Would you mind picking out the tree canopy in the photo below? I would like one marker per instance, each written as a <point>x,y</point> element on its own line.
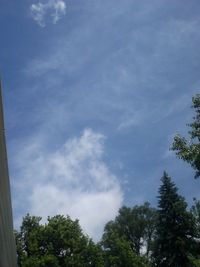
<point>60,242</point>
<point>136,225</point>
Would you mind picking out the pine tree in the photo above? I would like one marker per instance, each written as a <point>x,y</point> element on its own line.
<point>174,227</point>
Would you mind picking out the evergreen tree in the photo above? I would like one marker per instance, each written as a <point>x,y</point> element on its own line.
<point>195,211</point>
<point>175,227</point>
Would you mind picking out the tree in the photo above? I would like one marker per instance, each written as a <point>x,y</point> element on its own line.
<point>189,150</point>
<point>27,240</point>
<point>65,239</point>
<point>150,218</point>
<point>125,237</point>
<point>58,243</point>
<point>94,255</point>
<point>30,247</point>
<point>195,211</point>
<point>136,225</point>
<point>175,227</point>
<point>118,251</point>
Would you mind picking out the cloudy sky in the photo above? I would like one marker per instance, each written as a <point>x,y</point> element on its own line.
<point>94,91</point>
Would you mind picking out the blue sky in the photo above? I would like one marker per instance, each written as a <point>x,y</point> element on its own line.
<point>94,92</point>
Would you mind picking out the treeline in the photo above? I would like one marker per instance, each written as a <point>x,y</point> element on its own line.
<point>166,236</point>
<point>139,236</point>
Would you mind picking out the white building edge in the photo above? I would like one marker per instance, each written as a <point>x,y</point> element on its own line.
<point>8,257</point>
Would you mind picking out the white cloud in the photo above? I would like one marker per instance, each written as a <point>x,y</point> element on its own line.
<point>53,8</point>
<point>73,180</point>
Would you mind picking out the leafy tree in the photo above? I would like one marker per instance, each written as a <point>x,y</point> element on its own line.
<point>59,243</point>
<point>94,255</point>
<point>44,261</point>
<point>189,150</point>
<point>150,227</point>
<point>65,240</point>
<point>175,227</point>
<point>118,251</point>
<point>28,238</point>
<point>136,225</point>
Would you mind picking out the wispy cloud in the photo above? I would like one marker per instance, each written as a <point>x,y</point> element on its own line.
<point>54,9</point>
<point>73,180</point>
<point>125,77</point>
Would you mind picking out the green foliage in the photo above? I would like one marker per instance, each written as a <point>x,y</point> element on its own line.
<point>60,242</point>
<point>195,211</point>
<point>94,255</point>
<point>118,251</point>
<point>28,239</point>
<point>189,150</point>
<point>45,261</point>
<point>136,225</point>
<point>195,262</point>
<point>124,237</point>
<point>175,227</point>
<point>65,240</point>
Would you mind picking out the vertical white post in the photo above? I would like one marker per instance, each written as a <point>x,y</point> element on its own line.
<point>7,242</point>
